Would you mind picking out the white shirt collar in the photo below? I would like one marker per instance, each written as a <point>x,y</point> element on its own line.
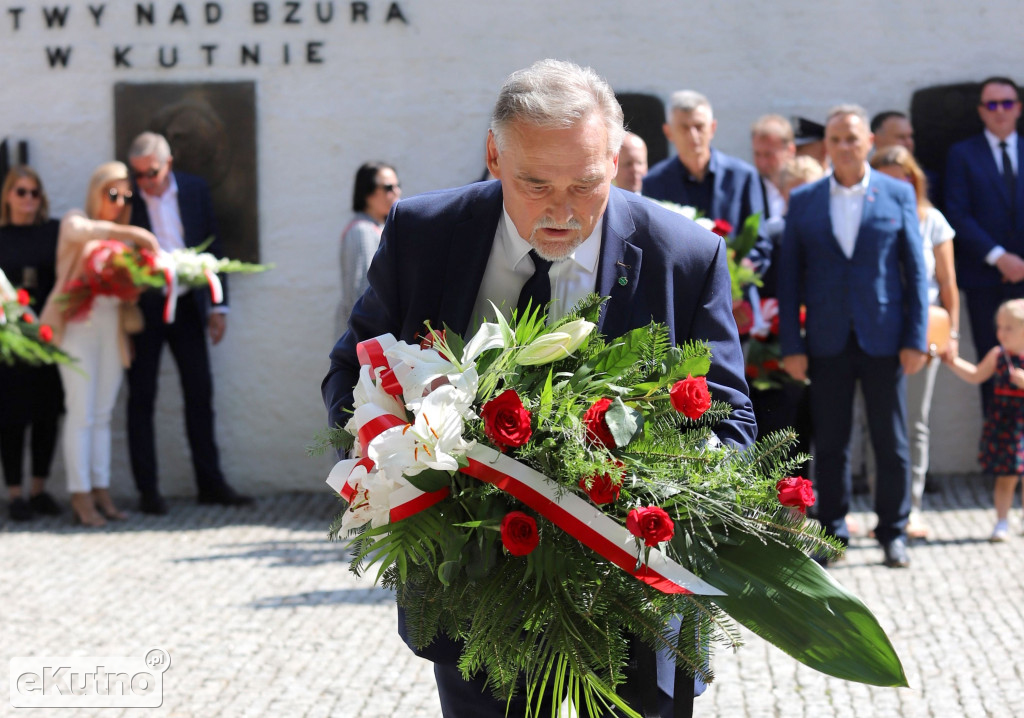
<point>859,188</point>
<point>516,248</point>
<point>993,141</point>
<point>170,192</point>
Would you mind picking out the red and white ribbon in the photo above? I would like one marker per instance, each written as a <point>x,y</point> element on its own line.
<point>216,288</point>
<point>171,299</point>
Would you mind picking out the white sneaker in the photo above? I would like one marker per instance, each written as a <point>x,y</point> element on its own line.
<point>1001,532</point>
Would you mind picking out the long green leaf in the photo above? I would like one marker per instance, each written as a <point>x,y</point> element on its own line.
<point>789,600</point>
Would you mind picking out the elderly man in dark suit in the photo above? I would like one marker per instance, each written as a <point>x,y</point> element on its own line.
<point>985,205</point>
<point>852,254</point>
<point>177,208</point>
<point>552,227</point>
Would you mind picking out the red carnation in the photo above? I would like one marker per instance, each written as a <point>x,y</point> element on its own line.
<point>690,396</point>
<point>23,297</point>
<point>650,523</point>
<point>45,333</point>
<point>797,492</point>
<point>722,228</point>
<point>519,533</point>
<point>28,318</point>
<point>603,489</point>
<point>506,420</point>
<point>597,428</point>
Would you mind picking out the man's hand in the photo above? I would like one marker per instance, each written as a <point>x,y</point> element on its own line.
<point>912,361</point>
<point>1012,267</point>
<point>218,324</point>
<point>796,366</point>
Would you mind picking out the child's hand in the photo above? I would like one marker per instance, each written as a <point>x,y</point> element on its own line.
<point>1017,377</point>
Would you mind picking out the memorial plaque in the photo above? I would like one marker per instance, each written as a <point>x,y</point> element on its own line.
<point>644,115</point>
<point>211,127</point>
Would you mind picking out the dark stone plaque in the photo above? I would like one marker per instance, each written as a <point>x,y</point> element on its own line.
<point>645,115</point>
<point>211,127</point>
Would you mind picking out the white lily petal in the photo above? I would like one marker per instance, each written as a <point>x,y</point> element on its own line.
<point>488,336</point>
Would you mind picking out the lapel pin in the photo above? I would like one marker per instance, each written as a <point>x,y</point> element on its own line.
<point>623,281</point>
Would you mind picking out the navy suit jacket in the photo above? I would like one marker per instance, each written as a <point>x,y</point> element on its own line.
<point>196,208</point>
<point>881,293</point>
<point>979,207</point>
<point>435,248</point>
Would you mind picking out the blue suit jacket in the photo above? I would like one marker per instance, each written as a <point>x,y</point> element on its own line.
<point>880,293</point>
<point>435,248</point>
<point>196,208</point>
<point>979,208</point>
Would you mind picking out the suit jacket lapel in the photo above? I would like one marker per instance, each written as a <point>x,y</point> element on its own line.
<point>618,267</point>
<point>869,210</point>
<point>988,161</point>
<point>467,260</point>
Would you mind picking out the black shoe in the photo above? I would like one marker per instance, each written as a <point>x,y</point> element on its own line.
<point>896,555</point>
<point>43,503</point>
<point>153,504</point>
<point>20,510</point>
<point>225,496</point>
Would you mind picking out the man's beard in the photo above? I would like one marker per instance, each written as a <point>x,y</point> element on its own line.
<point>556,250</point>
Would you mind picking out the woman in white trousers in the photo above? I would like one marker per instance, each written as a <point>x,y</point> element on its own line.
<point>99,341</point>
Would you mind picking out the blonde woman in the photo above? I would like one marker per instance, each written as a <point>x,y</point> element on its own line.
<point>99,341</point>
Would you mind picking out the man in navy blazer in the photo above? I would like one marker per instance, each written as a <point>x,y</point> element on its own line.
<point>177,208</point>
<point>985,205</point>
<point>553,145</point>
<point>852,255</point>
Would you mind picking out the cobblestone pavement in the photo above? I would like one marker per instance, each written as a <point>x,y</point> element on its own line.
<point>261,617</point>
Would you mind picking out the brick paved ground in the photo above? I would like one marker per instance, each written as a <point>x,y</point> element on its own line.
<point>261,618</point>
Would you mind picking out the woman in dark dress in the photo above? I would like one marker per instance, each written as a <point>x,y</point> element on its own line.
<point>31,398</point>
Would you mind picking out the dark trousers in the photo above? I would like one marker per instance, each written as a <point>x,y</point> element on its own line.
<point>186,337</point>
<point>12,448</point>
<point>833,381</point>
<point>982,303</point>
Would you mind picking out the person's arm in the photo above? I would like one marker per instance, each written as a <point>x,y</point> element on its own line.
<point>76,228</point>
<point>358,245</point>
<point>945,276</point>
<point>914,342</point>
<point>975,374</point>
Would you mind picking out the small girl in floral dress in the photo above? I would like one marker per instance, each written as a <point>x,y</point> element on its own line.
<point>1002,438</point>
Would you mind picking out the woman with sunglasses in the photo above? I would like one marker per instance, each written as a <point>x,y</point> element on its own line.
<point>897,161</point>
<point>376,189</point>
<point>99,341</point>
<point>31,397</point>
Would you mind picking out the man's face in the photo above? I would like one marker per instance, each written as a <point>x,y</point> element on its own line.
<point>691,134</point>
<point>555,182</point>
<point>895,131</point>
<point>849,141</point>
<point>152,176</point>
<point>770,154</point>
<point>1001,120</point>
<point>632,164</point>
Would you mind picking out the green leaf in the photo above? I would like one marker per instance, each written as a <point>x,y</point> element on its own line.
<point>621,355</point>
<point>624,422</point>
<point>785,597</point>
<point>430,480</point>
<point>546,398</point>
<point>746,238</point>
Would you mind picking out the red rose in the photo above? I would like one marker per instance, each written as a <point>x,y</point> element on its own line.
<point>46,333</point>
<point>23,297</point>
<point>28,318</point>
<point>506,420</point>
<point>690,396</point>
<point>603,489</point>
<point>743,313</point>
<point>797,492</point>
<point>597,428</point>
<point>750,370</point>
<point>651,523</point>
<point>722,228</point>
<point>519,533</point>
<point>771,365</point>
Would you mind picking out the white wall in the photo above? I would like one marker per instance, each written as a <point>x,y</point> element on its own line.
<point>418,95</point>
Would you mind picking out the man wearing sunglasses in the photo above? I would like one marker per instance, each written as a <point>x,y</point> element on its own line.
<point>177,208</point>
<point>985,205</point>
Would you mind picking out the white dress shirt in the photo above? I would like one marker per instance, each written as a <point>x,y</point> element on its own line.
<point>846,207</point>
<point>510,266</point>
<point>997,152</point>
<point>774,200</point>
<point>165,217</point>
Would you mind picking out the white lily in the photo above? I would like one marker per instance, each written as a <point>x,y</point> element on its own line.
<point>556,344</point>
<point>488,336</point>
<point>416,369</point>
<point>371,500</point>
<point>432,441</point>
<point>368,391</point>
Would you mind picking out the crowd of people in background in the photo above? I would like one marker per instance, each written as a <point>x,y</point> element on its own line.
<point>145,205</point>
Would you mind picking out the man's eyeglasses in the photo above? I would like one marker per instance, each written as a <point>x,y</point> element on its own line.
<point>113,195</point>
<point>390,187</point>
<point>148,174</point>
<point>22,191</point>
<point>993,105</point>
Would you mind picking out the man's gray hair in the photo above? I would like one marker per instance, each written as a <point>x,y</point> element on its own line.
<point>848,109</point>
<point>150,143</point>
<point>554,94</point>
<point>686,101</point>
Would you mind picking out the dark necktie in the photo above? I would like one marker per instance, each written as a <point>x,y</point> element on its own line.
<point>1008,177</point>
<point>537,287</point>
